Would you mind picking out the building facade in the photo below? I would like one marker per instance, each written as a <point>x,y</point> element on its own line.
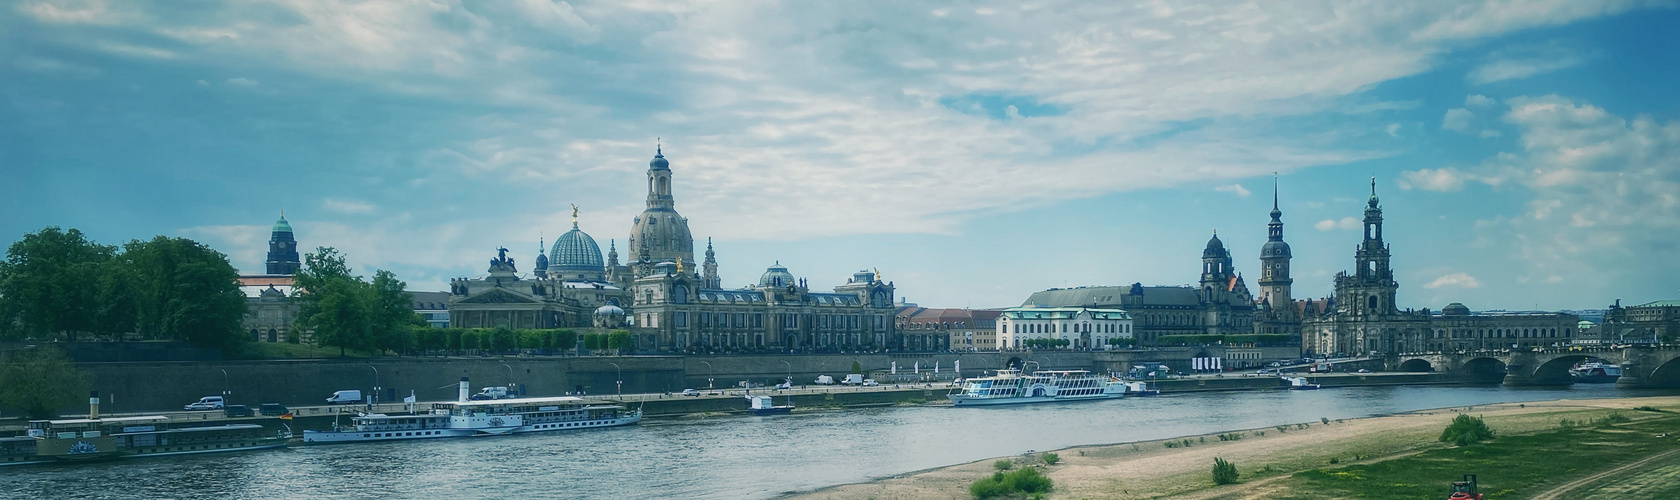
<point>1081,327</point>
<point>269,310</point>
<point>1651,322</point>
<point>1276,313</point>
<point>669,303</point>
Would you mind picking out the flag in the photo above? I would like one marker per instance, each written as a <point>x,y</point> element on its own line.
<point>286,416</point>
<point>410,398</point>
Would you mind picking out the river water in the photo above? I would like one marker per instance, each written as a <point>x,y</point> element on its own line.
<point>728,457</point>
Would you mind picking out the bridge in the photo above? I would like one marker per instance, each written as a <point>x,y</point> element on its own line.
<point>1643,366</point>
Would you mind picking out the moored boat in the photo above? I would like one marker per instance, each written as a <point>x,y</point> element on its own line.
<point>1596,373</point>
<point>762,405</point>
<point>1140,389</point>
<point>1044,386</point>
<point>1300,384</point>
<point>96,438</point>
<point>465,418</point>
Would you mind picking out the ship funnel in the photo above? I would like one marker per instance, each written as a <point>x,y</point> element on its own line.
<point>464,390</point>
<point>93,404</point>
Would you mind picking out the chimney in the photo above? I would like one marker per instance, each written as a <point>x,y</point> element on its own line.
<point>93,404</point>
<point>464,390</point>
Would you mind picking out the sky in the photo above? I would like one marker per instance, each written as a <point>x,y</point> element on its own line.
<point>1527,153</point>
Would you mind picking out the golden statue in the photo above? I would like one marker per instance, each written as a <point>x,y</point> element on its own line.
<point>877,274</point>
<point>574,214</point>
<point>679,265</point>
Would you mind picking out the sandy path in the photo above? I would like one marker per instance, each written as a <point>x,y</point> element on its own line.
<point>1151,470</point>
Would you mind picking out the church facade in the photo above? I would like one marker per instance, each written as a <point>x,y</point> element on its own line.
<point>667,302</point>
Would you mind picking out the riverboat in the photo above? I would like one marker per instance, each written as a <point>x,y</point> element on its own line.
<point>479,418</point>
<point>1044,386</point>
<point>1596,373</point>
<point>1300,384</point>
<point>89,439</point>
<point>762,405</point>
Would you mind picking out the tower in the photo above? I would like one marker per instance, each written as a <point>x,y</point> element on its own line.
<point>1369,291</point>
<point>1217,274</point>
<point>282,248</point>
<point>660,234</point>
<point>710,279</point>
<point>1275,282</point>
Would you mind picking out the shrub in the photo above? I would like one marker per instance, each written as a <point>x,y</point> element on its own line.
<point>1567,423</point>
<point>1335,460</point>
<point>1611,419</point>
<point>1052,458</point>
<point>1023,482</point>
<point>1003,465</point>
<point>1466,429</point>
<point>1326,420</point>
<point>1647,408</point>
<point>1224,472</point>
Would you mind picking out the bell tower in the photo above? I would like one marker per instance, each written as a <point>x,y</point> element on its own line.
<point>1275,282</point>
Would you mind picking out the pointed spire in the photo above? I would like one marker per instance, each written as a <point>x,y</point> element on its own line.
<point>1274,191</point>
<point>658,147</point>
<point>541,243</point>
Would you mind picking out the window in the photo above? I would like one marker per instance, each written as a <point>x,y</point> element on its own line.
<point>682,320</point>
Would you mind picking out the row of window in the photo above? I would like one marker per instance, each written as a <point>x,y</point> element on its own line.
<point>1077,328</point>
<point>1503,333</point>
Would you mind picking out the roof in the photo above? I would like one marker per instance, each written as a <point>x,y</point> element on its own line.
<point>265,280</point>
<point>1661,303</point>
<point>1063,313</point>
<point>1113,296</point>
<point>430,300</point>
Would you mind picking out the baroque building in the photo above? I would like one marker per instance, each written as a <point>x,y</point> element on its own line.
<point>1363,317</point>
<point>1081,327</point>
<point>269,310</point>
<point>669,303</point>
<point>1276,313</point>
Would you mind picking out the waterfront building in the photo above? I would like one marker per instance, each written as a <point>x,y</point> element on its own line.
<point>433,307</point>
<point>667,302</point>
<point>1363,317</point>
<point>1081,327</point>
<point>1651,322</point>
<point>939,329</point>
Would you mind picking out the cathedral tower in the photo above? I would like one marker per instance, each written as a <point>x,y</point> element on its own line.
<point>1370,290</point>
<point>1275,282</point>
<point>710,278</point>
<point>1217,274</point>
<point>660,234</point>
<point>282,248</point>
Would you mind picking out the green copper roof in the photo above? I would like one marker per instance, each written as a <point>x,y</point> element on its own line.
<point>281,226</point>
<point>1661,303</point>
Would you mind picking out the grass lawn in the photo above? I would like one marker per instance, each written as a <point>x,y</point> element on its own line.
<point>1511,466</point>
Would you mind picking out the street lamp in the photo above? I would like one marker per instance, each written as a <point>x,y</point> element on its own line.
<point>790,374</point>
<point>225,392</point>
<point>708,374</point>
<point>620,381</point>
<point>375,383</point>
<point>510,375</point>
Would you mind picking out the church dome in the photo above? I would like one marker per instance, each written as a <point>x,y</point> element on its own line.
<point>1274,248</point>
<point>576,251</point>
<point>281,226</point>
<point>776,276</point>
<point>1215,248</point>
<point>659,162</point>
<point>542,263</point>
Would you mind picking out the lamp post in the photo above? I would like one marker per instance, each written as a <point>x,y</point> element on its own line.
<point>510,375</point>
<point>375,383</point>
<point>708,374</point>
<point>225,392</point>
<point>790,374</point>
<point>620,381</point>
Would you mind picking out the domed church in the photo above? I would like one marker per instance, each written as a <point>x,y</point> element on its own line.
<point>667,302</point>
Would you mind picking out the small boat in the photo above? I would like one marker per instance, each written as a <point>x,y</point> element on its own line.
<point>1300,384</point>
<point>1010,386</point>
<point>1596,373</point>
<point>761,405</point>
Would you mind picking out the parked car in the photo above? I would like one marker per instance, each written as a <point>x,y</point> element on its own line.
<point>690,392</point>
<point>1362,370</point>
<point>273,409</point>
<point>351,396</point>
<point>784,385</point>
<point>232,411</point>
<point>870,382</point>
<point>206,403</point>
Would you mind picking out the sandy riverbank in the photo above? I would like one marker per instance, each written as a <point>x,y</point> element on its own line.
<point>1150,469</point>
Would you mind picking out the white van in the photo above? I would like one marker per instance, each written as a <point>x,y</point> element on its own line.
<point>345,397</point>
<point>206,403</point>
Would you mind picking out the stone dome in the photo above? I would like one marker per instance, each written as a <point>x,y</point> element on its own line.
<point>281,226</point>
<point>1215,248</point>
<point>1455,309</point>
<point>542,263</point>
<point>576,251</point>
<point>1275,248</point>
<point>776,276</point>
<point>659,162</point>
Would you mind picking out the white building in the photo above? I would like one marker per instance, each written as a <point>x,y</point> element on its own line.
<point>1081,327</point>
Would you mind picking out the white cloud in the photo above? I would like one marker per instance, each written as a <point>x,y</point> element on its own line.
<point>347,206</point>
<point>1457,119</point>
<point>1513,69</point>
<point>1234,188</point>
<point>242,82</point>
<point>1393,130</point>
<point>1445,179</point>
<point>1478,101</point>
<point>1346,223</point>
<point>70,11</point>
<point>1454,280</point>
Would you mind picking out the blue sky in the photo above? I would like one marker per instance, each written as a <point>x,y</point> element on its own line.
<point>1527,152</point>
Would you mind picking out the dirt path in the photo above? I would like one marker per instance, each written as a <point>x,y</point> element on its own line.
<point>1565,488</point>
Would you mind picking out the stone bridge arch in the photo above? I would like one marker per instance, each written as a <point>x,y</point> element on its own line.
<point>1417,365</point>
<point>1650,368</point>
<point>1485,367</point>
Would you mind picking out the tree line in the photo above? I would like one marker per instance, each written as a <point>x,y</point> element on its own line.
<point>494,341</point>
<point>58,285</point>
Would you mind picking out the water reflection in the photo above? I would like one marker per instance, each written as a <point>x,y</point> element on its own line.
<point>732,457</point>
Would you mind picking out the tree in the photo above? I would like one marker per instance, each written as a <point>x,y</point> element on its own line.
<point>332,302</point>
<point>394,319</point>
<point>565,339</point>
<point>185,291</point>
<point>39,381</point>
<point>857,367</point>
<point>1466,429</point>
<point>1223,472</point>
<point>48,284</point>
<point>502,339</point>
<point>469,340</point>
<point>620,340</point>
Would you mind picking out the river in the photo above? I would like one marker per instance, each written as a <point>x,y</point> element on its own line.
<point>728,457</point>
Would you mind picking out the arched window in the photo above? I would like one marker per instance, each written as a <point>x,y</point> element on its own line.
<point>1372,303</point>
<point>679,295</point>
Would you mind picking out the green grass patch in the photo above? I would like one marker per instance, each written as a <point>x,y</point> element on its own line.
<point>1025,482</point>
<point>1508,467</point>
